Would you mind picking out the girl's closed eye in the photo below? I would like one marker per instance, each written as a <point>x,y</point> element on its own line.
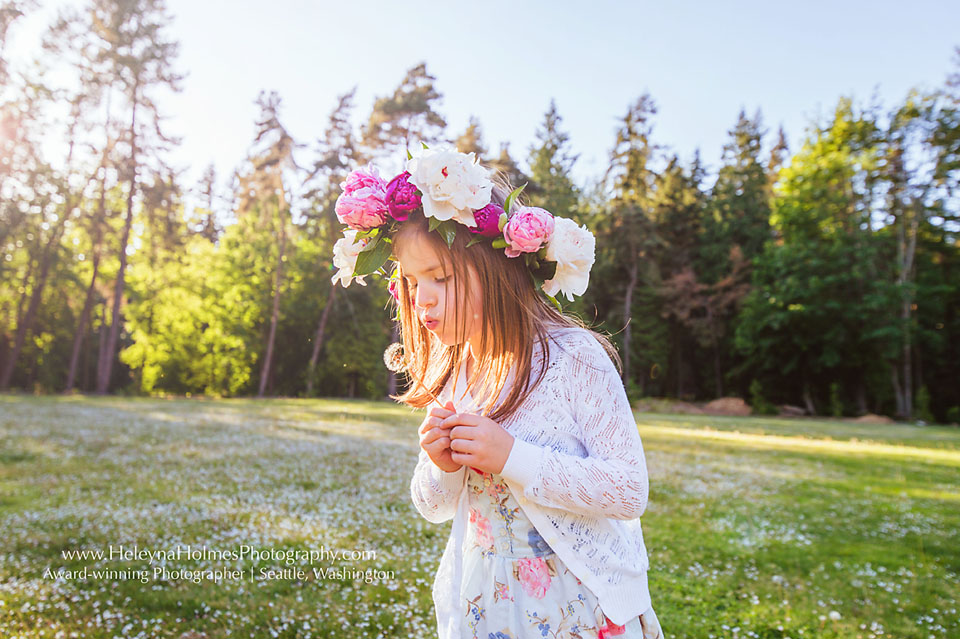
<point>437,280</point>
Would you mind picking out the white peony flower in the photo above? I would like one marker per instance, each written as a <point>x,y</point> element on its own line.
<point>453,184</point>
<point>345,253</point>
<point>572,248</point>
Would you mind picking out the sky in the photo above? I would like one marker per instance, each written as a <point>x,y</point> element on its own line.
<point>502,62</point>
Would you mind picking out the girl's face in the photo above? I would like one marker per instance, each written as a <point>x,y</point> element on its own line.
<point>433,294</point>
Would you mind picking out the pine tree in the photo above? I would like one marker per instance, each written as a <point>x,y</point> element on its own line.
<point>627,231</point>
<point>266,192</point>
<point>337,153</point>
<point>134,48</point>
<point>408,117</point>
<point>551,162</point>
<point>740,201</point>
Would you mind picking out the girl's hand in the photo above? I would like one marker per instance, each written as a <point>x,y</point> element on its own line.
<point>478,441</point>
<point>436,441</point>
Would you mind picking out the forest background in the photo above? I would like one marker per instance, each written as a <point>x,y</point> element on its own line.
<point>825,276</point>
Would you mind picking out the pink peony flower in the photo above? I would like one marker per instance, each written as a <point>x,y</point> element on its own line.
<point>401,197</point>
<point>488,221</point>
<point>527,230</point>
<point>361,206</point>
<point>484,534</point>
<point>534,576</point>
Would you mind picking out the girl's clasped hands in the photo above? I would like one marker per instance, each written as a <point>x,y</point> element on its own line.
<point>454,439</point>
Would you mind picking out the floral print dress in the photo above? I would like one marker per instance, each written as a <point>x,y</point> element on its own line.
<point>514,586</point>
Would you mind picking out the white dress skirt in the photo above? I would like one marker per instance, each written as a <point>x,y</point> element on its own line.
<point>515,587</point>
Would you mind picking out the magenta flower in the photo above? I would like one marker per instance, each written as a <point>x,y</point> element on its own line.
<point>527,230</point>
<point>402,197</point>
<point>392,287</point>
<point>361,206</point>
<point>488,221</point>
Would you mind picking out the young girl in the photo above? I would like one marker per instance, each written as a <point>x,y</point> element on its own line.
<point>529,444</point>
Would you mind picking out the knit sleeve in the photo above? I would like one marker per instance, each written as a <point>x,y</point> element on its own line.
<point>434,491</point>
<point>611,481</point>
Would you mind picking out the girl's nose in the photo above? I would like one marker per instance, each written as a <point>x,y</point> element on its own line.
<point>424,299</point>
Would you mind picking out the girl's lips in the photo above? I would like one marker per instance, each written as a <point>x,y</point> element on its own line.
<point>431,324</point>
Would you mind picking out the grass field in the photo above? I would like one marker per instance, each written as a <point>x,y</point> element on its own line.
<point>755,528</point>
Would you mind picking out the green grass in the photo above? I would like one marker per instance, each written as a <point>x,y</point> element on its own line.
<point>756,527</point>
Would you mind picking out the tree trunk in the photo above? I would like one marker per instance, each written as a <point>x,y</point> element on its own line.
<point>861,394</point>
<point>808,399</point>
<point>88,301</point>
<point>25,326</point>
<point>627,306</point>
<point>318,338</point>
<point>275,313</point>
<point>717,374</point>
<point>105,366</point>
<point>897,391</point>
<point>81,326</point>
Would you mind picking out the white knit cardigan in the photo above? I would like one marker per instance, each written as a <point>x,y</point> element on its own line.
<point>577,469</point>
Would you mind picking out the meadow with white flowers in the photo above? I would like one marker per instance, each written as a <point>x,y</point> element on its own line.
<point>756,528</point>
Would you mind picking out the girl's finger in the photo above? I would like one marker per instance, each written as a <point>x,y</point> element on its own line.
<point>440,444</point>
<point>463,432</point>
<point>464,459</point>
<point>463,445</point>
<point>467,419</point>
<point>432,435</point>
<point>440,412</point>
<point>428,423</point>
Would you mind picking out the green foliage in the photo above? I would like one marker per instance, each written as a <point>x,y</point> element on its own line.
<point>819,308</point>
<point>836,402</point>
<point>758,402</point>
<point>551,162</point>
<point>922,407</point>
<point>953,415</point>
<point>194,323</point>
<point>738,212</point>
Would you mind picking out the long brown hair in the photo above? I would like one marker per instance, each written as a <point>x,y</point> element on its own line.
<point>514,317</point>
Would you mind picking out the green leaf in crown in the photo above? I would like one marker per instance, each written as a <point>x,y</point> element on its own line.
<point>448,230</point>
<point>545,270</point>
<point>372,257</point>
<point>511,198</point>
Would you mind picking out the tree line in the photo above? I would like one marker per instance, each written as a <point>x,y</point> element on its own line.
<point>826,277</point>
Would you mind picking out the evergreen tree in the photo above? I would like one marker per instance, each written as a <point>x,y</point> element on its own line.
<point>627,233</point>
<point>740,205</point>
<point>266,192</point>
<point>816,313</point>
<point>551,162</point>
<point>138,57</point>
<point>337,153</point>
<point>407,117</point>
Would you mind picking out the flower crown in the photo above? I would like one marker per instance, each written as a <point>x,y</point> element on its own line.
<point>453,189</point>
